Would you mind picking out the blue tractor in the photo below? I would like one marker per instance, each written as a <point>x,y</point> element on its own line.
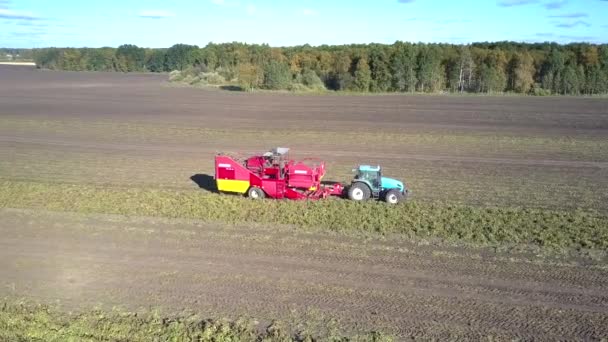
<point>369,183</point>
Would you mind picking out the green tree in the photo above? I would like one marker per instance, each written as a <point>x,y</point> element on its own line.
<point>596,81</point>
<point>155,60</point>
<point>552,70</point>
<point>277,75</point>
<point>580,74</point>
<point>570,81</point>
<point>130,58</point>
<point>363,75</point>
<point>403,67</point>
<point>379,64</point>
<point>481,67</point>
<point>181,56</point>
<point>458,66</point>
<point>453,73</point>
<point>491,79</point>
<point>324,64</point>
<point>492,76</point>
<point>312,80</point>
<point>341,77</point>
<point>209,57</point>
<point>603,57</point>
<point>71,59</point>
<point>429,72</point>
<point>466,69</point>
<point>47,58</point>
<point>101,59</point>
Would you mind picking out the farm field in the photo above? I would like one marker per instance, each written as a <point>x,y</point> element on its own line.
<point>530,172</point>
<point>262,271</point>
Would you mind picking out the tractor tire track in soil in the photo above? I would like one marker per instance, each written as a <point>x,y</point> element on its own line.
<point>57,130</point>
<point>137,130</point>
<point>202,150</point>
<point>409,290</point>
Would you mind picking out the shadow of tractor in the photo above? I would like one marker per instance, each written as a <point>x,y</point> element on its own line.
<point>206,182</point>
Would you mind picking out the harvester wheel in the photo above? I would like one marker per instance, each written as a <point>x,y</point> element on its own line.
<point>393,196</point>
<point>255,193</point>
<point>359,192</point>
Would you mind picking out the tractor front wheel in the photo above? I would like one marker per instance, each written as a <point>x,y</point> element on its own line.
<point>255,193</point>
<point>393,196</point>
<point>359,192</point>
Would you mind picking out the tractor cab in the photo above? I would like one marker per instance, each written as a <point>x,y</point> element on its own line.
<point>370,175</point>
<point>369,183</point>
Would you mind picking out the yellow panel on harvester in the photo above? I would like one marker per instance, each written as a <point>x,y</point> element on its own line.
<point>229,185</point>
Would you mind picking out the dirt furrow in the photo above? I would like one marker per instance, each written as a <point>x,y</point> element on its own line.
<point>253,270</point>
<point>331,153</point>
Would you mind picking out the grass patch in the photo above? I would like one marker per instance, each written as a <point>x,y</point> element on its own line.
<point>550,229</point>
<point>28,322</point>
<point>476,184</point>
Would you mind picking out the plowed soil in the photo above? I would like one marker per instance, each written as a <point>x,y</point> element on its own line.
<point>405,289</point>
<point>139,131</point>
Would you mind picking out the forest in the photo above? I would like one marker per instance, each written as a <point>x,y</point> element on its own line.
<point>16,54</point>
<point>524,68</point>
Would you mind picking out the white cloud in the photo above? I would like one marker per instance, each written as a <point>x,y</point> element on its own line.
<point>251,9</point>
<point>308,11</point>
<point>9,14</point>
<point>574,24</point>
<point>556,4</point>
<point>511,3</point>
<point>218,2</point>
<point>156,14</point>
<point>570,15</point>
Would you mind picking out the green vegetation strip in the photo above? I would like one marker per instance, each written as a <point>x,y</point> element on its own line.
<point>475,225</point>
<point>26,322</point>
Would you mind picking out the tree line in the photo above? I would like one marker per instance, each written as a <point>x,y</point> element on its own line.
<point>7,54</point>
<point>539,68</point>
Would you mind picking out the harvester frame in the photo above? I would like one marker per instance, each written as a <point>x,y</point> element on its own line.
<point>274,175</point>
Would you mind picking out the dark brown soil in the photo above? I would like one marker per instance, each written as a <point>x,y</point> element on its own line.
<point>25,91</point>
<point>267,272</point>
<point>137,130</point>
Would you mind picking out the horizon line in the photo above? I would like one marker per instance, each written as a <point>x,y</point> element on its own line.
<point>321,45</point>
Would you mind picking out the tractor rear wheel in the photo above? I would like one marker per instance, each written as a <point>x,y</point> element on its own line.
<point>359,192</point>
<point>255,193</point>
<point>393,196</point>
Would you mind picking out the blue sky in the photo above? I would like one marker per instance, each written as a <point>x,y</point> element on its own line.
<point>155,23</point>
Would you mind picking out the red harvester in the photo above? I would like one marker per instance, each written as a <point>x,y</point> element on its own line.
<point>274,175</point>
